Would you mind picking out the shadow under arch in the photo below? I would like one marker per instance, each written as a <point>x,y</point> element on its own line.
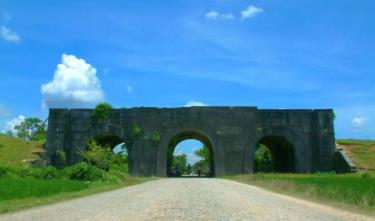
<point>283,153</point>
<point>109,140</point>
<point>185,135</point>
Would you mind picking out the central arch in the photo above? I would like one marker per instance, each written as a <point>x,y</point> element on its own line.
<point>186,135</point>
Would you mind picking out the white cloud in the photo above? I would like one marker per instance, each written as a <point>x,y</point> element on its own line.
<point>74,85</point>
<point>214,15</point>
<point>9,35</point>
<point>129,88</point>
<point>195,103</point>
<point>358,122</point>
<point>250,11</point>
<point>11,124</point>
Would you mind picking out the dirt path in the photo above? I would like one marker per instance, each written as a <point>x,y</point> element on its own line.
<point>186,199</point>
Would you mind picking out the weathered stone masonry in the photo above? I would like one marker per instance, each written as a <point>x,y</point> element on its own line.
<point>231,131</point>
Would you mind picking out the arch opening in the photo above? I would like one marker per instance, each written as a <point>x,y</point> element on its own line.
<point>274,154</point>
<point>200,157</point>
<point>116,153</point>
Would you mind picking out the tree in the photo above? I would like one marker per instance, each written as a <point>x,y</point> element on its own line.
<point>204,153</point>
<point>31,129</point>
<point>263,160</point>
<point>179,162</point>
<point>189,168</point>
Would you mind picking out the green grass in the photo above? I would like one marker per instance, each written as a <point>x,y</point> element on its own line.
<point>349,190</point>
<point>18,188</point>
<point>14,151</point>
<point>355,142</point>
<point>36,197</point>
<point>362,152</point>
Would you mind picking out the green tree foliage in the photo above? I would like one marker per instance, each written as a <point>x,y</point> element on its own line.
<point>263,160</point>
<point>31,129</point>
<point>179,162</point>
<point>205,163</point>
<point>102,111</point>
<point>104,158</point>
<point>189,169</point>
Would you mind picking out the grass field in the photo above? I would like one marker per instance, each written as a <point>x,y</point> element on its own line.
<point>20,188</point>
<point>362,152</point>
<point>350,190</point>
<point>15,151</point>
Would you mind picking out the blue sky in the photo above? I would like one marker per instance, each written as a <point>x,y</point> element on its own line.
<point>270,54</point>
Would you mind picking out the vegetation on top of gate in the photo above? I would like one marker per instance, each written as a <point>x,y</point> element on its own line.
<point>102,110</point>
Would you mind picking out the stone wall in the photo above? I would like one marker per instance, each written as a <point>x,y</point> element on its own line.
<point>233,133</point>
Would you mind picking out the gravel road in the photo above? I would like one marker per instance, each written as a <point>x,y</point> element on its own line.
<point>186,199</point>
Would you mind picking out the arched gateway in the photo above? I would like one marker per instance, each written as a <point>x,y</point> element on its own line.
<point>302,140</point>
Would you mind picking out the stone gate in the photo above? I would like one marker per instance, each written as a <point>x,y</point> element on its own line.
<point>231,133</point>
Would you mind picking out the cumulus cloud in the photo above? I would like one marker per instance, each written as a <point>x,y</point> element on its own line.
<point>250,12</point>
<point>11,124</point>
<point>358,122</point>
<point>9,35</point>
<point>74,85</point>
<point>195,103</point>
<point>214,15</point>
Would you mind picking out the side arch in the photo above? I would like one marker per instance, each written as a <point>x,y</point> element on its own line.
<point>282,154</point>
<point>282,135</point>
<point>116,135</point>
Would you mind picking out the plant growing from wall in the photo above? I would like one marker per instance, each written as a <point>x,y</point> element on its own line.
<point>332,115</point>
<point>102,110</point>
<point>61,157</point>
<point>136,130</point>
<point>155,137</point>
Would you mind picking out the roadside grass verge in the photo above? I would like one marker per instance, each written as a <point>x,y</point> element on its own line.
<point>31,192</point>
<point>356,191</point>
<point>18,188</point>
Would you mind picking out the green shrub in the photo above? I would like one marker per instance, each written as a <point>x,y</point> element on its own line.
<point>23,171</point>
<point>84,171</point>
<point>4,171</point>
<point>97,155</point>
<point>48,172</point>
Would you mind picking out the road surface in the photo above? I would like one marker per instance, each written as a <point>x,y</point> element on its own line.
<point>186,199</point>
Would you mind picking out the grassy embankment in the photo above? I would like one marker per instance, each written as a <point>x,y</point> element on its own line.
<point>16,194</point>
<point>351,191</point>
<point>23,186</point>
